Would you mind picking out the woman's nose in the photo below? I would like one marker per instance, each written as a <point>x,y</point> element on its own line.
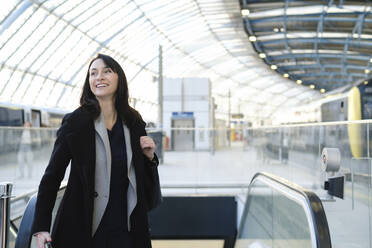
<point>100,75</point>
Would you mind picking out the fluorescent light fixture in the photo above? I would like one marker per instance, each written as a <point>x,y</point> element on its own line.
<point>366,71</point>
<point>262,55</point>
<point>322,90</point>
<point>312,86</point>
<point>365,82</point>
<point>252,38</point>
<point>299,81</point>
<point>285,75</point>
<point>273,67</point>
<point>245,12</point>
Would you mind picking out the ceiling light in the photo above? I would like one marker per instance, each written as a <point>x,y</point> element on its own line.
<point>273,67</point>
<point>245,12</point>
<point>276,30</point>
<point>370,60</point>
<point>322,90</point>
<point>299,81</point>
<point>281,29</point>
<point>252,38</point>
<point>365,82</point>
<point>262,55</point>
<point>312,86</point>
<point>366,71</point>
<point>285,75</point>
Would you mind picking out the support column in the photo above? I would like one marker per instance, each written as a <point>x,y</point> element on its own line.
<point>5,194</point>
<point>160,87</point>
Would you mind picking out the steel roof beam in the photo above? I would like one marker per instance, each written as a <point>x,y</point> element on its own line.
<point>304,19</point>
<point>334,41</point>
<point>325,74</point>
<point>325,80</point>
<point>318,32</point>
<point>316,66</point>
<point>321,55</point>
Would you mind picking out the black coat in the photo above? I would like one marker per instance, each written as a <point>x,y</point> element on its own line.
<point>73,224</point>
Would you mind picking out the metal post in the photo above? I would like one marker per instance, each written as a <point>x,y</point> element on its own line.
<point>5,194</point>
<point>229,120</point>
<point>160,87</point>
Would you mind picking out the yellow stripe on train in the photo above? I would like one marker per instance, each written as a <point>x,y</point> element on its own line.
<point>355,130</point>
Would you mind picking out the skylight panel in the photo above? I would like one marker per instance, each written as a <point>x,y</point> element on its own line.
<point>44,92</point>
<point>22,87</point>
<point>11,85</point>
<point>5,74</point>
<point>32,90</point>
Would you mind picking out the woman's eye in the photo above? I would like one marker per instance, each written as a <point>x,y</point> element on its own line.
<point>92,73</point>
<point>107,71</point>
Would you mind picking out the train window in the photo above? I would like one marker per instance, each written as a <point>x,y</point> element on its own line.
<point>366,106</point>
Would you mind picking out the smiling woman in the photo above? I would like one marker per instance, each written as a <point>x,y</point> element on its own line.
<point>103,80</point>
<point>113,180</point>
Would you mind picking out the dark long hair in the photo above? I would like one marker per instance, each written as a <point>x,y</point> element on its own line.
<point>89,101</point>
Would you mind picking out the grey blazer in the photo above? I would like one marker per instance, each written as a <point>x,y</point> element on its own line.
<point>103,173</point>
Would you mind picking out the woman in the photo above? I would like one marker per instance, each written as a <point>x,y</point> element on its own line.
<point>113,180</point>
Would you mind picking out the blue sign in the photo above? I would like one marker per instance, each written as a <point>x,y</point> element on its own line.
<point>182,114</point>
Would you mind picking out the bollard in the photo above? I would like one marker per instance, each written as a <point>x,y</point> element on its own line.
<point>5,194</point>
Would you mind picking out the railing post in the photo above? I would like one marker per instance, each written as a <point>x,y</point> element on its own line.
<point>5,194</point>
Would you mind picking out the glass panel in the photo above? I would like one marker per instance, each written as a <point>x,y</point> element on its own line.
<point>76,9</point>
<point>28,152</point>
<point>273,219</point>
<point>5,74</point>
<point>6,8</point>
<point>290,223</point>
<point>20,37</point>
<point>16,25</point>
<point>55,94</point>
<point>11,86</point>
<point>18,95</point>
<point>66,98</point>
<point>44,93</point>
<point>257,224</point>
<point>33,90</point>
<point>86,17</point>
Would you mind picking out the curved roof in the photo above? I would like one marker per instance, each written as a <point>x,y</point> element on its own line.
<point>45,47</point>
<point>326,44</point>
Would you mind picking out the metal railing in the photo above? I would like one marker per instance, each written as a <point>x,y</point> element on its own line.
<point>5,194</point>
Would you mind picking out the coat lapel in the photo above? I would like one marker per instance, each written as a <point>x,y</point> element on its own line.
<point>100,127</point>
<point>132,188</point>
<point>102,172</point>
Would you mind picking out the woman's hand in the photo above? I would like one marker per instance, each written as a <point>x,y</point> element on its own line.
<point>147,146</point>
<point>42,238</point>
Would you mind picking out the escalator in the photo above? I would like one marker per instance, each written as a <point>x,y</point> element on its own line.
<point>276,213</point>
<point>279,213</point>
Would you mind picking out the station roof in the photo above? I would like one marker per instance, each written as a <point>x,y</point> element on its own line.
<point>45,47</point>
<point>326,44</point>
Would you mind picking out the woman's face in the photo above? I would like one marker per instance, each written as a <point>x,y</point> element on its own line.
<point>103,80</point>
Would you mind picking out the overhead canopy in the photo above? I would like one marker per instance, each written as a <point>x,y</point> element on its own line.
<point>326,44</point>
<point>45,48</point>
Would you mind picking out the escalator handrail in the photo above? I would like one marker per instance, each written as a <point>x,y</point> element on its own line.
<point>24,234</point>
<point>313,205</point>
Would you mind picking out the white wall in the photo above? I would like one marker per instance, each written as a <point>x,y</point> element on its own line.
<point>189,95</point>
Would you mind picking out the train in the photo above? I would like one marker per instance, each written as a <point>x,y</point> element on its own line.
<point>14,117</point>
<point>296,141</point>
<point>17,115</point>
<point>351,103</point>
